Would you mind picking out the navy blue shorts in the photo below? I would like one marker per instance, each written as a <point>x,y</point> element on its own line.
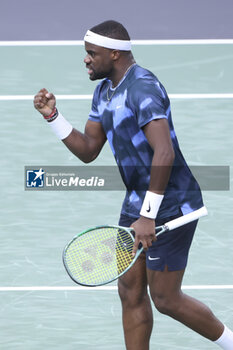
<point>171,248</point>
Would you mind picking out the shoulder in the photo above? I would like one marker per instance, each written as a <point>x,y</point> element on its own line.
<point>142,75</point>
<point>145,84</point>
<point>100,87</point>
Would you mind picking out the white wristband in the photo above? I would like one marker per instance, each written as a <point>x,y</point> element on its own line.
<point>151,204</point>
<point>61,127</point>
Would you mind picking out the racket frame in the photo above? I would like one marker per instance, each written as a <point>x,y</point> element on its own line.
<point>129,230</point>
<point>168,226</point>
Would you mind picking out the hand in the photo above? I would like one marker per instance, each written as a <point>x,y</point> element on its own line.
<point>44,102</point>
<point>144,233</point>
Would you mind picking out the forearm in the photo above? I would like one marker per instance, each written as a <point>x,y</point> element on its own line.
<point>160,173</point>
<point>161,169</point>
<point>81,146</point>
<point>78,143</point>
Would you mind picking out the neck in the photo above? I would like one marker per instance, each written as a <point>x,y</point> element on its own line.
<point>119,73</point>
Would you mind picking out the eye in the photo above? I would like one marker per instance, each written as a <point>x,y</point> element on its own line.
<point>91,53</point>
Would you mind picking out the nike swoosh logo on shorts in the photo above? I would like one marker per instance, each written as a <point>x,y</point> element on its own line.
<point>150,258</point>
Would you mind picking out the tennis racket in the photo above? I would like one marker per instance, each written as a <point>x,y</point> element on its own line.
<point>102,254</point>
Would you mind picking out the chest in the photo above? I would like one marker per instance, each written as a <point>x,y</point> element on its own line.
<point>116,114</point>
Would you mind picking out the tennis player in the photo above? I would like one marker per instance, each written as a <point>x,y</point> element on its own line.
<point>131,110</point>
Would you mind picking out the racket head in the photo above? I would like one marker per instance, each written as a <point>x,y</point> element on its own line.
<point>99,255</point>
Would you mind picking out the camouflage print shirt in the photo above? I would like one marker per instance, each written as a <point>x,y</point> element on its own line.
<point>138,99</point>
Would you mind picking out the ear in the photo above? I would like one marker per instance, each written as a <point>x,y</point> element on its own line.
<point>115,55</point>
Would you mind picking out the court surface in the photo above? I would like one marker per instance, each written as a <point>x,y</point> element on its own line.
<point>40,306</point>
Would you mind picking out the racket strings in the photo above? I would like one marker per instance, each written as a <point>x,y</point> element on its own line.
<point>124,249</point>
<point>99,256</point>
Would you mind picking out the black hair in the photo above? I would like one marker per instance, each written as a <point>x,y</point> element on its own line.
<point>111,29</point>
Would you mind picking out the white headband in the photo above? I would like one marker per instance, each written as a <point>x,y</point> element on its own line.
<point>109,43</point>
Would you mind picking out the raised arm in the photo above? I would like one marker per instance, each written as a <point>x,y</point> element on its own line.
<point>86,146</point>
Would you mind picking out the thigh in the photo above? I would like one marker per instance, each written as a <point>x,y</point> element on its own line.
<point>133,284</point>
<point>165,290</point>
<point>164,283</point>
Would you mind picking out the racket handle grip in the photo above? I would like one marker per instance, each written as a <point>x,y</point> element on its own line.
<point>185,219</point>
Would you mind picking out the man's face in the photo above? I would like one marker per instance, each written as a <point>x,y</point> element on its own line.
<point>98,61</point>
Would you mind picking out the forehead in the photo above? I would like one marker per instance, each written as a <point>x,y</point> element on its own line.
<point>95,48</point>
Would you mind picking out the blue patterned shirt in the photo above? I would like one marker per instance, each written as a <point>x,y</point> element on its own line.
<point>138,99</point>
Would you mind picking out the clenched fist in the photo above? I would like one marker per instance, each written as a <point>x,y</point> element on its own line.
<point>44,102</point>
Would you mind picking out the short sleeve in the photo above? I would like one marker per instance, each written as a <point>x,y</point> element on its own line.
<point>149,101</point>
<point>94,114</point>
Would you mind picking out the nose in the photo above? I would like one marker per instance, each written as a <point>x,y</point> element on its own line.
<point>87,59</point>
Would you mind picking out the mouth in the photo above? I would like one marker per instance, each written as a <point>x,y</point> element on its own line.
<point>90,70</point>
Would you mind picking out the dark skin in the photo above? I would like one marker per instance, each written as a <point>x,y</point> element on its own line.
<point>165,286</point>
